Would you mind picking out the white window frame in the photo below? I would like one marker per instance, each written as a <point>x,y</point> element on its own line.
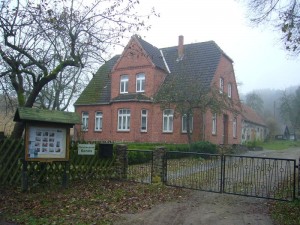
<point>184,123</point>
<point>144,120</point>
<point>124,80</point>
<point>98,121</point>
<point>229,87</point>
<point>124,120</point>
<point>140,82</point>
<point>85,121</point>
<point>234,127</point>
<point>214,124</point>
<point>168,118</point>
<point>221,85</point>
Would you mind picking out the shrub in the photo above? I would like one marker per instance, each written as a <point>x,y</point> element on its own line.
<point>204,147</point>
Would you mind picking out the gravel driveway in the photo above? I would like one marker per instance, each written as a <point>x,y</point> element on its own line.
<point>205,208</point>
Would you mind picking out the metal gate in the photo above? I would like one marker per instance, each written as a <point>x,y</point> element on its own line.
<point>271,178</point>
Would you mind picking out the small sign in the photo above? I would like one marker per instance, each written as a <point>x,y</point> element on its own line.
<point>86,149</point>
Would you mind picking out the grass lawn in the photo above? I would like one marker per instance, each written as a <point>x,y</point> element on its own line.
<point>84,202</point>
<point>279,145</point>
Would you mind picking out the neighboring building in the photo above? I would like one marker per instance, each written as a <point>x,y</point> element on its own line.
<point>253,126</point>
<point>117,104</point>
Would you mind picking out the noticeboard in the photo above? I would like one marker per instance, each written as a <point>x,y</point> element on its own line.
<point>46,143</point>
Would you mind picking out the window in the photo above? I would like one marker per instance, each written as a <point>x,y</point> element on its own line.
<point>85,121</point>
<point>144,114</point>
<point>124,120</point>
<point>98,121</point>
<point>214,124</point>
<point>168,120</point>
<point>184,123</point>
<point>221,85</point>
<point>234,127</point>
<point>140,82</point>
<point>124,84</point>
<point>229,90</point>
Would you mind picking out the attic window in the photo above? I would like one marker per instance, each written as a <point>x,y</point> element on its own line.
<point>124,84</point>
<point>229,91</point>
<point>221,85</point>
<point>140,82</point>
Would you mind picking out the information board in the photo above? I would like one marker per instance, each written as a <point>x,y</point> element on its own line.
<point>46,143</point>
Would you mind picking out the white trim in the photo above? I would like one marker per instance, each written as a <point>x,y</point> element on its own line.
<point>165,61</point>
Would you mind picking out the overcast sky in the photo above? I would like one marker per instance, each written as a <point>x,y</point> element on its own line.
<point>258,55</point>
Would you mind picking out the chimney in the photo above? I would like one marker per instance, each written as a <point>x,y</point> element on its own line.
<point>180,48</point>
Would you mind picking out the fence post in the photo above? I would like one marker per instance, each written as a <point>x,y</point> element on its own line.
<point>24,176</point>
<point>159,165</point>
<point>121,161</point>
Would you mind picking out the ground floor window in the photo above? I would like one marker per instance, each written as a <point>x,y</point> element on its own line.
<point>85,121</point>
<point>168,120</point>
<point>98,121</point>
<point>214,124</point>
<point>185,122</point>
<point>234,127</point>
<point>124,119</point>
<point>144,115</point>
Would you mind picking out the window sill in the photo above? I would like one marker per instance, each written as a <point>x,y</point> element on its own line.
<point>97,131</point>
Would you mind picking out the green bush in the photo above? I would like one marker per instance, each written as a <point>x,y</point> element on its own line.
<point>204,147</point>
<point>137,157</point>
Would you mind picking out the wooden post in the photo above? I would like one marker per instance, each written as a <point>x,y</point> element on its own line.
<point>24,176</point>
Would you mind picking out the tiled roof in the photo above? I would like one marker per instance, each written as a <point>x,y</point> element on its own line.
<point>34,114</point>
<point>251,116</point>
<point>98,89</point>
<point>153,52</point>
<point>199,63</point>
<point>131,97</point>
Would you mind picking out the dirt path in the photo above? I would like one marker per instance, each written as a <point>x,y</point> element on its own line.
<point>205,208</point>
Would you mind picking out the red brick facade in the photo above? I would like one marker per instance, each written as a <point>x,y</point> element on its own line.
<point>133,61</point>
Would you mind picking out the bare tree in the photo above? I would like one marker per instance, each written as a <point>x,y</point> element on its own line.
<point>290,108</point>
<point>283,15</point>
<point>187,95</point>
<point>45,46</point>
<point>254,101</point>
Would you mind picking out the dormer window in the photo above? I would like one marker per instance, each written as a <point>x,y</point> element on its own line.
<point>221,85</point>
<point>140,82</point>
<point>124,84</point>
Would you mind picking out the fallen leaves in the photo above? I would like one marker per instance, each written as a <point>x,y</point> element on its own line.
<point>85,202</point>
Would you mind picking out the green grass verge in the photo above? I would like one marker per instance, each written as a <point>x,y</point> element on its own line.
<point>279,145</point>
<point>286,213</point>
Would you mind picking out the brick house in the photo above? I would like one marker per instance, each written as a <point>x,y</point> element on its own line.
<point>117,104</point>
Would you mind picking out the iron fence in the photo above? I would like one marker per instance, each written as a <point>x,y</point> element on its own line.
<point>140,166</point>
<point>261,177</point>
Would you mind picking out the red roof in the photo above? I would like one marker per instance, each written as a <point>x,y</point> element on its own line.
<point>251,116</point>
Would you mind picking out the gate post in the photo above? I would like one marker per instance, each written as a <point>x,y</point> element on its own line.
<point>121,161</point>
<point>159,163</point>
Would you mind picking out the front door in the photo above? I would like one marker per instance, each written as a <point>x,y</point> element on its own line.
<point>225,129</point>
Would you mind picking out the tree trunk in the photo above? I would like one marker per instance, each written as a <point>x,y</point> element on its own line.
<point>17,132</point>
